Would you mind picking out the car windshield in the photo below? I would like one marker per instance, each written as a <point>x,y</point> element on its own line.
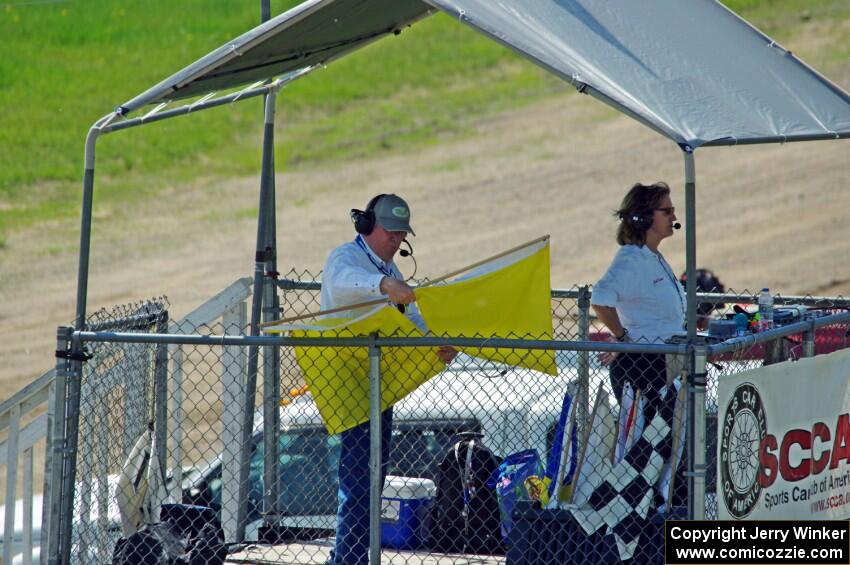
<point>309,459</point>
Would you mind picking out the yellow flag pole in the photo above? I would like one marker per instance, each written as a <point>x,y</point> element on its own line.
<point>429,283</point>
<point>322,312</point>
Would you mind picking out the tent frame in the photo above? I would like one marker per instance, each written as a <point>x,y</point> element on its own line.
<point>266,305</point>
<point>265,301</point>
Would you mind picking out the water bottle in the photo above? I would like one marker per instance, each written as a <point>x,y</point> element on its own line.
<point>766,309</point>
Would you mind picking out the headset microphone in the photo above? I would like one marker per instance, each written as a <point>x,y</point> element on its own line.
<point>677,226</point>
<point>406,252</point>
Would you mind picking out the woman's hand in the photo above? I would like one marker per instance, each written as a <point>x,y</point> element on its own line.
<point>608,316</point>
<point>606,357</point>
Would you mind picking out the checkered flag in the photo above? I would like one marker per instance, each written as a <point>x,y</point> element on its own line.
<point>622,501</point>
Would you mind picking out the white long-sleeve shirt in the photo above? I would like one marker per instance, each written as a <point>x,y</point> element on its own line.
<point>353,273</point>
<point>648,297</point>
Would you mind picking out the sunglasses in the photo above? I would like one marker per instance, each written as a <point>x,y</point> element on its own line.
<point>667,211</point>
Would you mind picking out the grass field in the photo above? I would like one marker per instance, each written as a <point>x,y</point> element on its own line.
<point>66,63</point>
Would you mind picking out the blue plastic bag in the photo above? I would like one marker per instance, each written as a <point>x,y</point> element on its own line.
<point>509,482</point>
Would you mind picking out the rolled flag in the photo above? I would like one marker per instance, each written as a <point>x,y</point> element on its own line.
<point>561,463</point>
<point>595,463</point>
<point>133,486</point>
<point>141,485</point>
<point>624,421</point>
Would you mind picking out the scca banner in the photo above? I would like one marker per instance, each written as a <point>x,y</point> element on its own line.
<point>783,448</point>
<point>503,297</point>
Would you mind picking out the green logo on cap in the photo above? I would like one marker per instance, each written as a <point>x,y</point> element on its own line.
<point>400,212</point>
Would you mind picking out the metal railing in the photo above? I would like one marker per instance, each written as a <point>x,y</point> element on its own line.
<point>190,341</point>
<point>27,419</point>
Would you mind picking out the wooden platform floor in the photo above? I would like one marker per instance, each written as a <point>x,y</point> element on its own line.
<point>317,552</point>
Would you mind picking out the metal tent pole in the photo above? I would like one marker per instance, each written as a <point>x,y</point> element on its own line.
<point>65,493</point>
<point>690,243</point>
<point>85,229</point>
<point>264,258</point>
<point>696,356</point>
<point>271,311</point>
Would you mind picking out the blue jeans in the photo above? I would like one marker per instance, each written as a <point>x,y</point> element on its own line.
<point>352,529</point>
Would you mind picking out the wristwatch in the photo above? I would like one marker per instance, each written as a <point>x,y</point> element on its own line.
<point>623,337</point>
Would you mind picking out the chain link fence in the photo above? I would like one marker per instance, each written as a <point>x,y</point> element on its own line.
<point>473,451</point>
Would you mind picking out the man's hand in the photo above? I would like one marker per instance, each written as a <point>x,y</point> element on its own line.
<point>397,291</point>
<point>446,353</point>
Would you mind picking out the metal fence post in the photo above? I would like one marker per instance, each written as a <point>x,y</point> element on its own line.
<point>809,342</point>
<point>697,426</point>
<point>176,400</point>
<point>52,519</point>
<point>583,357</point>
<point>160,398</point>
<point>233,376</point>
<point>376,485</point>
<point>69,474</point>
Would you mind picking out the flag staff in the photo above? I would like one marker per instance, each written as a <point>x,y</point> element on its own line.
<point>384,300</point>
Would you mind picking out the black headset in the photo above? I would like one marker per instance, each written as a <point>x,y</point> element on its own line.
<point>640,220</point>
<point>364,220</point>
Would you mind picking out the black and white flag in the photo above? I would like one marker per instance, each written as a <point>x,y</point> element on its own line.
<point>622,501</point>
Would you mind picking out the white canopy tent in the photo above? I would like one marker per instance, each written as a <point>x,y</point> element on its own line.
<point>692,71</point>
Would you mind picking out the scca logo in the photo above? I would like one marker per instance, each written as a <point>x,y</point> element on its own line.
<point>744,429</point>
<point>817,452</point>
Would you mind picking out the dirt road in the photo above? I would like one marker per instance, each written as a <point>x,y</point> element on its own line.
<point>767,216</point>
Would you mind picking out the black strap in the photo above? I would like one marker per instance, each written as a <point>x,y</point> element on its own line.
<point>467,488</point>
<point>82,355</point>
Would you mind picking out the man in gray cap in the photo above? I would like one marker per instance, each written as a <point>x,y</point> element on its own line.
<point>355,272</point>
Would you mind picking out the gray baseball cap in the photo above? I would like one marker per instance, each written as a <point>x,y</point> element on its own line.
<point>393,213</point>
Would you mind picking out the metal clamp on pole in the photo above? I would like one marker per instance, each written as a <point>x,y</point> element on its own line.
<point>697,428</point>
<point>376,482</point>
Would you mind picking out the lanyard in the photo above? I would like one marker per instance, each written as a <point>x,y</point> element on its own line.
<point>677,286</point>
<point>378,264</point>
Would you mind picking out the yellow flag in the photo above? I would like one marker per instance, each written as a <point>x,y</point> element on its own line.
<point>339,376</point>
<point>508,297</point>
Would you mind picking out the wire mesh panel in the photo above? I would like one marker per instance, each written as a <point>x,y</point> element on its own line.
<point>117,406</point>
<point>482,454</point>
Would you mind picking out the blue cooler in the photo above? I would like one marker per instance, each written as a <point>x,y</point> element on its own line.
<point>405,503</point>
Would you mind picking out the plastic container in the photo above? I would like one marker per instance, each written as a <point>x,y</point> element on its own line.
<point>553,537</point>
<point>765,310</point>
<point>723,329</point>
<point>742,323</point>
<point>405,504</point>
<point>788,315</point>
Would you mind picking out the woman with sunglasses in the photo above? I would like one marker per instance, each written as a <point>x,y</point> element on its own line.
<point>639,299</point>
